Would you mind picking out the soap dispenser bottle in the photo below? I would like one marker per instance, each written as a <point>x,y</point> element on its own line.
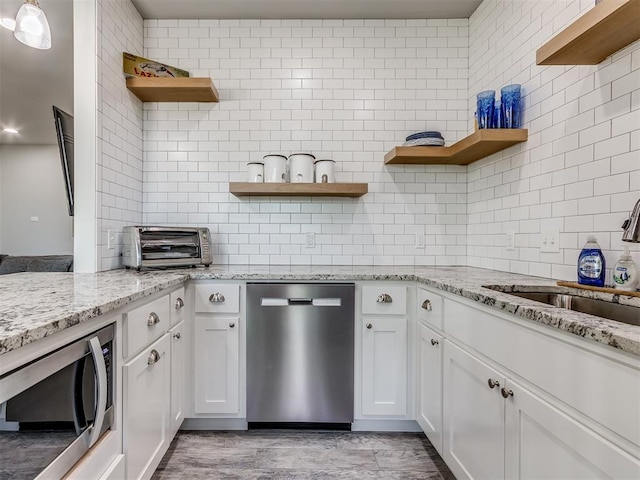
<point>625,274</point>
<point>591,264</point>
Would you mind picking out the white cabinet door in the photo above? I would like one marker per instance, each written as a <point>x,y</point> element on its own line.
<point>146,405</point>
<point>542,442</point>
<point>217,365</point>
<point>429,417</point>
<point>384,366</point>
<point>178,374</point>
<point>473,428</point>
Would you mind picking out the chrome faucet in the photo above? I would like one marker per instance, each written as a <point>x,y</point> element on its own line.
<point>632,226</point>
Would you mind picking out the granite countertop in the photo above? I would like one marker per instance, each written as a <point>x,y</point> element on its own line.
<point>37,305</point>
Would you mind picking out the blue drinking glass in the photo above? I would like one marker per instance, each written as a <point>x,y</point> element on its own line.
<point>497,117</point>
<point>510,103</point>
<point>485,106</point>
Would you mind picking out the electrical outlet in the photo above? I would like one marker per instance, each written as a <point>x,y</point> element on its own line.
<point>111,239</point>
<point>421,241</point>
<point>309,240</point>
<point>550,241</point>
<point>511,241</point>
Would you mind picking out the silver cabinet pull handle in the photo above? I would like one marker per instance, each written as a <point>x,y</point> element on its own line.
<point>177,336</point>
<point>384,298</point>
<point>154,357</point>
<point>179,303</point>
<point>231,325</point>
<point>506,393</point>
<point>216,297</point>
<point>434,342</point>
<point>369,326</point>
<point>427,305</point>
<point>493,383</point>
<point>153,319</point>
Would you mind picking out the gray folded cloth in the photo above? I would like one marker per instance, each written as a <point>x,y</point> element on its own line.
<point>36,263</point>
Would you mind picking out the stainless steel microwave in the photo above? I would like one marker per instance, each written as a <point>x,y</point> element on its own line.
<point>158,247</point>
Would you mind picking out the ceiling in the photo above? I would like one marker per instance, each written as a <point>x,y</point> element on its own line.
<point>31,80</point>
<point>306,8</point>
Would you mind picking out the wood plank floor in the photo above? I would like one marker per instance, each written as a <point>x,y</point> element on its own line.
<point>299,454</point>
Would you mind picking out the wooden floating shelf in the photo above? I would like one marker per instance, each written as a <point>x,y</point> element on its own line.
<point>245,189</point>
<point>479,144</point>
<point>163,89</point>
<point>608,27</point>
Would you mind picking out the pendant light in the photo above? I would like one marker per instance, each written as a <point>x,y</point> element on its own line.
<point>32,27</point>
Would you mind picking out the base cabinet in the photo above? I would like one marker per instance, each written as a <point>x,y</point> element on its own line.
<point>384,366</point>
<point>542,442</point>
<point>217,371</point>
<point>496,429</point>
<point>146,409</point>
<point>429,385</point>
<point>473,416</point>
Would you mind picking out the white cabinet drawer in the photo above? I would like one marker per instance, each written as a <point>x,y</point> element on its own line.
<point>384,300</point>
<point>429,306</point>
<point>177,303</point>
<point>145,324</point>
<point>217,298</point>
<point>580,378</point>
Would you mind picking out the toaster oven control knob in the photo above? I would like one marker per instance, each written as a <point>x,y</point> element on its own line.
<point>179,303</point>
<point>153,319</point>
<point>216,297</point>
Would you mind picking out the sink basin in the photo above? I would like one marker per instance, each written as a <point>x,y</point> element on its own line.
<point>600,308</point>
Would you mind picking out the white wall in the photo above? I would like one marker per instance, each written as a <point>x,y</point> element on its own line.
<point>344,89</point>
<point>31,185</point>
<point>579,173</point>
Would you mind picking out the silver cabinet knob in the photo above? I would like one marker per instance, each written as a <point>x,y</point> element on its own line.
<point>177,336</point>
<point>153,319</point>
<point>216,297</point>
<point>434,342</point>
<point>154,357</point>
<point>179,303</point>
<point>231,325</point>
<point>493,383</point>
<point>506,393</point>
<point>369,326</point>
<point>384,298</point>
<point>427,305</point>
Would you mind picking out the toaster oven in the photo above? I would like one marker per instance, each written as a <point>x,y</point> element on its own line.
<point>164,247</point>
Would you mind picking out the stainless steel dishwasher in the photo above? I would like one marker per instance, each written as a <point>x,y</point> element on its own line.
<point>300,348</point>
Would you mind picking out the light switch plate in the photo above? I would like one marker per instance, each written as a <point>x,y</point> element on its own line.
<point>550,241</point>
<point>421,241</point>
<point>111,239</point>
<point>309,240</point>
<point>511,241</point>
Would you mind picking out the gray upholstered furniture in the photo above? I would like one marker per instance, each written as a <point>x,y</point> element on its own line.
<point>36,263</point>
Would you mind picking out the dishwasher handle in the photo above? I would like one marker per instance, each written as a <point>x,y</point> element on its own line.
<point>300,301</point>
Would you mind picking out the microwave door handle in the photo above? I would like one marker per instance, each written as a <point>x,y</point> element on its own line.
<point>101,389</point>
<point>79,419</point>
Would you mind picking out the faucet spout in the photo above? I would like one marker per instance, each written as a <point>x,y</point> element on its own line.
<point>632,226</point>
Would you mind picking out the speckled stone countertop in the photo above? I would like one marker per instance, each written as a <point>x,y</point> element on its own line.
<point>37,305</point>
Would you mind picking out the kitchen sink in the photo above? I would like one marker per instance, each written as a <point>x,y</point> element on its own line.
<point>600,308</point>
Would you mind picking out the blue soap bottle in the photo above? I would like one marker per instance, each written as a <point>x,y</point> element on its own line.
<point>591,264</point>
